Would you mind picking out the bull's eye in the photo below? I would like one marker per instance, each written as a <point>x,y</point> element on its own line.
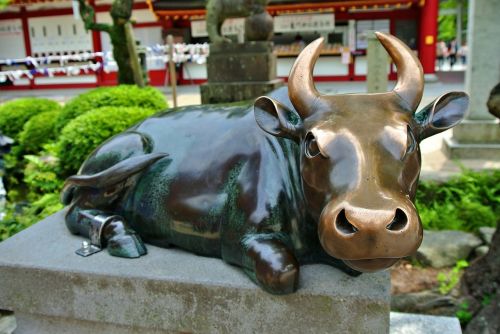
<point>411,143</point>
<point>311,146</point>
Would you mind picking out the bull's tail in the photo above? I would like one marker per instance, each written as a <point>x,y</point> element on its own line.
<point>110,176</point>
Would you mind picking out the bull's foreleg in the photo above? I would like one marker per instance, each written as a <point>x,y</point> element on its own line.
<point>269,262</point>
<point>105,230</point>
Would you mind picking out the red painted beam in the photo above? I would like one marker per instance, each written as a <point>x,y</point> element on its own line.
<point>26,37</point>
<point>428,35</point>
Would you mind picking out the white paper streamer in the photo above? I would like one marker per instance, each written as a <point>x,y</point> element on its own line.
<point>50,71</point>
<point>196,53</point>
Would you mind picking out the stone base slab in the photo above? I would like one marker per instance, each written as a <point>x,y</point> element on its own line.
<point>236,91</point>
<point>458,150</point>
<point>50,288</point>
<point>477,132</point>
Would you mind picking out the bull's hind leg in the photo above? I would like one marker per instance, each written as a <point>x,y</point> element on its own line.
<point>94,200</point>
<point>269,262</point>
<point>105,229</point>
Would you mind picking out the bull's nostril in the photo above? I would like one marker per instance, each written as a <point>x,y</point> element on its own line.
<point>343,224</point>
<point>398,222</point>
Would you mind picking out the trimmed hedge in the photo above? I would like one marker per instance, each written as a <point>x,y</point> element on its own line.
<point>119,96</point>
<point>15,113</point>
<point>40,129</point>
<point>83,134</point>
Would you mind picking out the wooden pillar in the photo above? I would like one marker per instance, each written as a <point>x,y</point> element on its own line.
<point>26,36</point>
<point>428,35</point>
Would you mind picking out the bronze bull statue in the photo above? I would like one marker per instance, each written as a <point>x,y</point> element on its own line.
<point>331,179</point>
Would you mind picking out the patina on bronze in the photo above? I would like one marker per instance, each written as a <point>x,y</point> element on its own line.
<point>331,180</point>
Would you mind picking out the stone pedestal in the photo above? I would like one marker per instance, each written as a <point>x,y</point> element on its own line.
<point>478,137</point>
<point>239,72</point>
<point>52,290</point>
<point>378,60</point>
<point>475,139</point>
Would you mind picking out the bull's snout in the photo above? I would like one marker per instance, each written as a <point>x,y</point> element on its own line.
<point>370,239</point>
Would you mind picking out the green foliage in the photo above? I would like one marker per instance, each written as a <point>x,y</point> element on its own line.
<point>447,24</point>
<point>36,179</point>
<point>40,176</point>
<point>465,202</point>
<point>4,3</point>
<point>39,130</point>
<point>487,300</point>
<point>15,113</point>
<point>463,314</point>
<point>83,134</point>
<point>9,225</point>
<point>17,219</point>
<point>448,281</point>
<point>41,186</point>
<point>119,96</point>
<point>31,123</point>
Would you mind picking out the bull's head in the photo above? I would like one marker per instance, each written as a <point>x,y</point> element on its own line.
<point>360,156</point>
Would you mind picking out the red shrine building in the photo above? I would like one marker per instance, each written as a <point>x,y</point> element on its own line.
<point>50,28</point>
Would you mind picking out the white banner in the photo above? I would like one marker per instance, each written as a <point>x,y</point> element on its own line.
<point>303,23</point>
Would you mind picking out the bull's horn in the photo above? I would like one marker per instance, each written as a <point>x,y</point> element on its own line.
<point>410,85</point>
<point>301,89</point>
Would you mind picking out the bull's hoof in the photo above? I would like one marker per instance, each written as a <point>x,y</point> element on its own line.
<point>271,264</point>
<point>127,245</point>
<point>282,281</point>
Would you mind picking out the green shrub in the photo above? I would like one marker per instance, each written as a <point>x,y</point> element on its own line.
<point>17,219</point>
<point>14,114</point>
<point>463,313</point>
<point>118,96</point>
<point>448,281</point>
<point>40,176</point>
<point>83,134</point>
<point>39,130</point>
<point>465,202</point>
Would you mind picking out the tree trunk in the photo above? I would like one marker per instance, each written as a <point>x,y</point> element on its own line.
<point>121,11</point>
<point>480,284</point>
<point>121,54</point>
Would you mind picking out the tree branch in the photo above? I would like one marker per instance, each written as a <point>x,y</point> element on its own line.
<point>87,14</point>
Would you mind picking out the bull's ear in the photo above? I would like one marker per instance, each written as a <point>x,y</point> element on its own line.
<point>442,114</point>
<point>276,119</point>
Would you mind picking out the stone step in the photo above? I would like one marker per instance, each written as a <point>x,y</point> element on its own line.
<point>408,323</point>
<point>400,323</point>
<point>7,323</point>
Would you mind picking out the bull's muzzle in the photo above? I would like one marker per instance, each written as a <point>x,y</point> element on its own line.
<point>370,239</point>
